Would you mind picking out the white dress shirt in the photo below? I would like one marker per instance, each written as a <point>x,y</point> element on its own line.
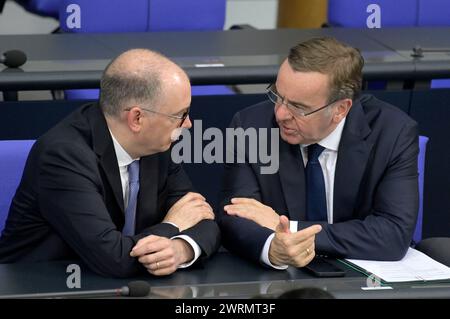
<point>124,159</point>
<point>327,160</point>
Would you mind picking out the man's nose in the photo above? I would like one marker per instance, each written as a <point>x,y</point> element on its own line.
<point>282,113</point>
<point>187,122</point>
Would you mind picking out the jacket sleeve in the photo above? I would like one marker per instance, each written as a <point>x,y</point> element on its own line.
<point>240,235</point>
<point>71,199</point>
<point>206,233</point>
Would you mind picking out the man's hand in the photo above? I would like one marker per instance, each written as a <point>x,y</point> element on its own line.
<point>250,208</point>
<point>294,249</point>
<point>188,211</point>
<point>162,256</point>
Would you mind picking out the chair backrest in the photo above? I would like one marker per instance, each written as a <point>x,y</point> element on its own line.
<point>398,13</point>
<point>105,16</point>
<point>141,15</point>
<point>46,8</point>
<point>13,155</point>
<point>423,140</point>
<point>433,13</point>
<point>355,13</point>
<point>178,15</point>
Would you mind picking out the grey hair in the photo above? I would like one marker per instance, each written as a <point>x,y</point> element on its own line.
<point>117,89</point>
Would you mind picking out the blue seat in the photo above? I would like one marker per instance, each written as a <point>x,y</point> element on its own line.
<point>103,16</point>
<point>434,13</point>
<point>13,155</point>
<point>423,140</point>
<point>45,8</point>
<point>353,13</point>
<point>399,13</point>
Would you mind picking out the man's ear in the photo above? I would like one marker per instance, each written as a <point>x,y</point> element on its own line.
<point>341,110</point>
<point>134,119</point>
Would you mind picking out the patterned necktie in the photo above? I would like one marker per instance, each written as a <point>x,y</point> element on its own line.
<point>316,205</point>
<point>133,190</point>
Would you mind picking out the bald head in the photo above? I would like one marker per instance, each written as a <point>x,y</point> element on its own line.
<point>137,76</point>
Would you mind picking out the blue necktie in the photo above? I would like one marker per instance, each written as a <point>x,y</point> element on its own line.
<point>316,205</point>
<point>133,190</point>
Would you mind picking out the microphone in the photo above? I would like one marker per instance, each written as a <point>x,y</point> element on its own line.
<point>13,58</point>
<point>133,289</point>
<point>418,51</point>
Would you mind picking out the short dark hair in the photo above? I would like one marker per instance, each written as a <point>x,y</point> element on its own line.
<point>119,88</point>
<point>327,55</point>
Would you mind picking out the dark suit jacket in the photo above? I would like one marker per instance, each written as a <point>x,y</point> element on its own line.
<point>375,187</point>
<point>69,202</point>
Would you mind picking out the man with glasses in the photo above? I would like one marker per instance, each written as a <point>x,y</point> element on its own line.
<point>101,185</point>
<point>347,183</point>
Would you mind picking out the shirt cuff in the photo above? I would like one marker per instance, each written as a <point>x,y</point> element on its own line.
<point>293,226</point>
<point>195,247</point>
<point>174,225</point>
<point>265,255</point>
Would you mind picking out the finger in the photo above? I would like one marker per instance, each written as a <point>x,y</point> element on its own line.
<point>283,226</point>
<point>143,242</point>
<point>188,198</point>
<point>163,271</point>
<point>303,234</point>
<point>304,247</point>
<point>201,211</point>
<point>199,203</point>
<point>244,211</point>
<point>158,256</point>
<point>150,247</point>
<point>243,200</point>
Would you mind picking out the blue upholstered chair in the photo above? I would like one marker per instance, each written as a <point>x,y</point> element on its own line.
<point>423,140</point>
<point>104,16</point>
<point>399,13</point>
<point>46,8</point>
<point>13,155</point>
<point>433,13</point>
<point>353,13</point>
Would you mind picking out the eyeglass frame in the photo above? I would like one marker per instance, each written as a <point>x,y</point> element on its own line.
<point>182,117</point>
<point>290,104</point>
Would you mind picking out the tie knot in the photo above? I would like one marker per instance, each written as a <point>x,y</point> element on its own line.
<point>133,172</point>
<point>314,151</point>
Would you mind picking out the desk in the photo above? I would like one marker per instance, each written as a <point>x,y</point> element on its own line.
<point>224,276</point>
<point>62,61</point>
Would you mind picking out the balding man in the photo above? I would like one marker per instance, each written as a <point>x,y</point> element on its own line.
<point>101,185</point>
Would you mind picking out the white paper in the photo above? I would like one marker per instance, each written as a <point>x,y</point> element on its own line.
<point>415,266</point>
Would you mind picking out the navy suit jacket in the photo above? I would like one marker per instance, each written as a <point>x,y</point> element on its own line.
<point>375,187</point>
<point>69,203</point>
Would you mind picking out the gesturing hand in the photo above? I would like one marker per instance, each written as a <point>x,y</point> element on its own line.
<point>295,249</point>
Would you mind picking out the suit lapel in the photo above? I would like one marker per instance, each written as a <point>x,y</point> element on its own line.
<point>353,154</point>
<point>147,199</point>
<point>292,178</point>
<point>104,148</point>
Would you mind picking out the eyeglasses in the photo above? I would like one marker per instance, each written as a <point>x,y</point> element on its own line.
<point>296,109</point>
<point>181,117</point>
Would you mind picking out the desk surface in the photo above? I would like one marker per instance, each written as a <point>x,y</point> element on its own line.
<point>224,276</point>
<point>223,57</point>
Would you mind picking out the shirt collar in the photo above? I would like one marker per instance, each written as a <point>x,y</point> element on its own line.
<point>123,158</point>
<point>331,142</point>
